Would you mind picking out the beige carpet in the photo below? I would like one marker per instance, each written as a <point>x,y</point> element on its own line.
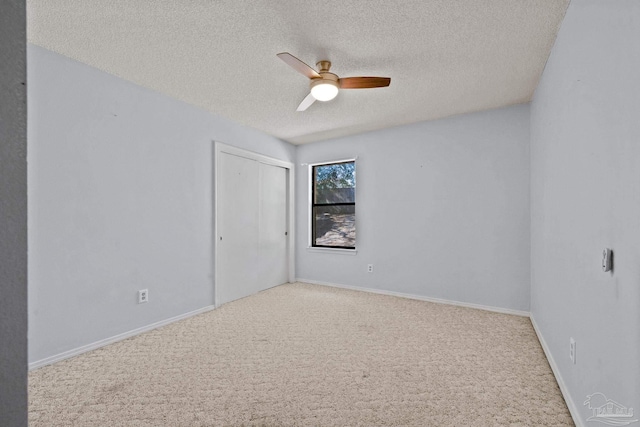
<point>305,355</point>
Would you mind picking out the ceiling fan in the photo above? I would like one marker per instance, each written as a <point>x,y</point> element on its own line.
<point>325,85</point>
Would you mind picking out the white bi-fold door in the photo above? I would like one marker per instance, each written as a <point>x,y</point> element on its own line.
<point>272,230</point>
<point>252,227</point>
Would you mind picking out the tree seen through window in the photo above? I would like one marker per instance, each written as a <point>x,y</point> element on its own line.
<point>334,205</point>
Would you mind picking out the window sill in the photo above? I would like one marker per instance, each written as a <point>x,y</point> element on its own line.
<point>336,251</point>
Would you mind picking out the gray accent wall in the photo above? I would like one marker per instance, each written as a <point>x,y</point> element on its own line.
<point>585,196</point>
<point>442,210</point>
<point>120,199</point>
<point>13,214</point>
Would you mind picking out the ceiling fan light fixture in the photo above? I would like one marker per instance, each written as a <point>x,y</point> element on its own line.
<point>324,90</point>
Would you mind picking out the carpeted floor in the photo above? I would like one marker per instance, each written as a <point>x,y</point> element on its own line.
<point>306,355</point>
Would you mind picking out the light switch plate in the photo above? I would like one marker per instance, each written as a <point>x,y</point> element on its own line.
<point>607,259</point>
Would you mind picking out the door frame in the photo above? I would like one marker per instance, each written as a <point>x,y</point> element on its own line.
<point>220,148</point>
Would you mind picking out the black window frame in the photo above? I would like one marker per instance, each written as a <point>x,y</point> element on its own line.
<point>314,204</point>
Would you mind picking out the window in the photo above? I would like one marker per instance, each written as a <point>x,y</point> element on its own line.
<point>333,205</point>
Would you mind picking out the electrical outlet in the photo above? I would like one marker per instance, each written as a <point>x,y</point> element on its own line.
<point>572,350</point>
<point>143,296</point>
<point>370,268</point>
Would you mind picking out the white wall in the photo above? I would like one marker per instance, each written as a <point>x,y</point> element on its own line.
<point>585,196</point>
<point>13,214</point>
<point>120,199</point>
<point>442,209</point>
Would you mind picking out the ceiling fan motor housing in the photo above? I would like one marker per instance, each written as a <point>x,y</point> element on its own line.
<point>326,87</point>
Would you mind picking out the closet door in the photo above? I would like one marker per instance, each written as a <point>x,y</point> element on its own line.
<point>238,227</point>
<point>273,236</point>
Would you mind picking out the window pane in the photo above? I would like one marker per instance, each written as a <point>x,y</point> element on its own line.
<point>335,183</point>
<point>335,226</point>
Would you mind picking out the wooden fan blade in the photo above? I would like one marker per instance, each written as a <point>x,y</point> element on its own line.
<point>363,82</point>
<point>298,65</point>
<point>306,103</point>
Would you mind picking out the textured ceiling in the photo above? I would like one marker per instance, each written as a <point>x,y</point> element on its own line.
<point>444,57</point>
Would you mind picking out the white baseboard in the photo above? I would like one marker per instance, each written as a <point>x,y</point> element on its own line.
<point>95,345</point>
<point>419,297</point>
<point>573,410</point>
